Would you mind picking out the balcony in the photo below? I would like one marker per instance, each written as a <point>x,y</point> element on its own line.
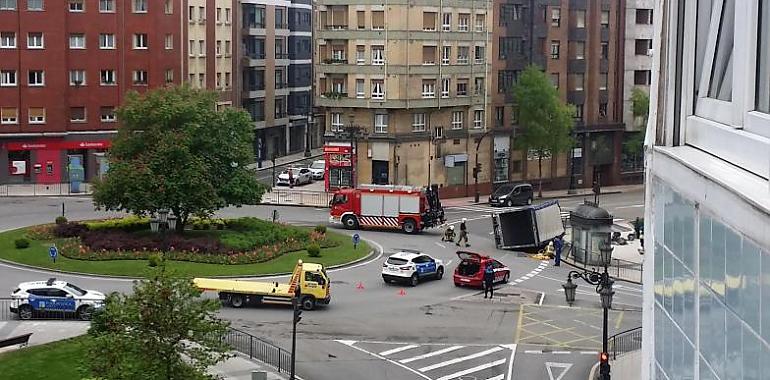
<point>254,25</point>
<point>335,61</point>
<point>280,55</point>
<point>336,95</point>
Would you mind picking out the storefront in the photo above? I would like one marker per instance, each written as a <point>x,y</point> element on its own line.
<point>52,160</point>
<point>339,166</point>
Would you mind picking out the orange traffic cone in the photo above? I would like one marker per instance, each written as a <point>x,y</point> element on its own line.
<point>360,286</point>
<point>402,292</point>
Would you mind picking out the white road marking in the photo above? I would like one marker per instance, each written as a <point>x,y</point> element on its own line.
<point>351,343</point>
<point>431,354</point>
<point>542,298</point>
<point>472,370</point>
<point>498,377</point>
<point>589,352</point>
<point>439,244</point>
<point>550,365</point>
<point>511,347</point>
<point>460,359</point>
<point>533,352</point>
<point>629,206</point>
<point>448,263</point>
<point>561,352</point>
<point>398,349</point>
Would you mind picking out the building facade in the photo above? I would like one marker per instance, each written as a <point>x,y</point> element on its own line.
<point>65,66</point>
<point>706,305</point>
<point>276,71</point>
<point>412,79</point>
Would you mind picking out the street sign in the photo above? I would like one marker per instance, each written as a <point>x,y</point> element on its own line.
<point>549,366</point>
<point>53,252</point>
<point>356,240</point>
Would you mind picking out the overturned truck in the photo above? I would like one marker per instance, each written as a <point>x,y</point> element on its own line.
<point>527,227</point>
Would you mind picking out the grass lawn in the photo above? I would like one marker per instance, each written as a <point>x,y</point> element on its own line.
<point>37,255</point>
<point>60,360</point>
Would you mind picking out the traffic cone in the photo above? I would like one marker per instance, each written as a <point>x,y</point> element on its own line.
<point>402,292</point>
<point>360,286</point>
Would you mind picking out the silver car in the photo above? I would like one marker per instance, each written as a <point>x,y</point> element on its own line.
<point>318,168</point>
<point>300,176</point>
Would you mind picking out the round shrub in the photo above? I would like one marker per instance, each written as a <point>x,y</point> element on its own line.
<point>155,260</point>
<point>320,229</point>
<point>21,243</point>
<point>61,220</point>
<point>314,250</point>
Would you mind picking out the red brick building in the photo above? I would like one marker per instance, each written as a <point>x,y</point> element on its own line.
<point>64,67</point>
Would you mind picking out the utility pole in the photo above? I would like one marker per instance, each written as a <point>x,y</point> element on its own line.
<point>297,317</point>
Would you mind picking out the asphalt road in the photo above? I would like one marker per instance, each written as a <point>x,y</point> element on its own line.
<point>265,175</point>
<point>379,332</point>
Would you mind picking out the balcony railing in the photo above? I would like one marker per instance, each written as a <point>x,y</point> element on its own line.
<point>337,27</point>
<point>281,84</point>
<point>334,95</point>
<point>331,61</point>
<point>254,55</point>
<point>255,25</point>
<point>281,55</point>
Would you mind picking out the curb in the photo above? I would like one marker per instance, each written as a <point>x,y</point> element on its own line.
<point>290,205</point>
<point>592,373</point>
<point>263,168</point>
<point>546,197</point>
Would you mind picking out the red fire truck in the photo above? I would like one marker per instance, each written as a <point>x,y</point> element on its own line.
<point>408,208</point>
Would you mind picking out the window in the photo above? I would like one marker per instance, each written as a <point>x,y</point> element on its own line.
<point>34,5</point>
<point>643,47</point>
<point>380,123</point>
<point>580,49</point>
<point>578,112</point>
<point>36,78</point>
<point>506,79</point>
<point>428,88</point>
<point>218,49</point>
<point>510,47</point>
<point>458,118</point>
<point>479,54</point>
<point>763,61</point>
<point>106,41</point>
<point>77,114</point>
<point>191,51</point>
<point>279,83</point>
<point>280,18</point>
<point>378,55</point>
<point>480,21</point>
<point>107,77</point>
<point>555,80</point>
<point>556,17</point>
<point>514,116</point>
<point>9,116</point>
<point>227,48</point>
<point>37,115</point>
<point>478,86</point>
<point>580,19</point>
<point>428,55</point>
<point>219,80</point>
<point>642,77</point>
<point>603,78</point>
<point>418,122</point>
<point>577,81</point>
<point>361,19</point>
<point>169,76</point>
<point>77,6</point>
<point>8,5</point>
<point>446,22</point>
<point>378,89</point>
<point>555,49</point>
<point>201,48</point>
<point>462,55</point>
<point>439,132</point>
<point>169,7</point>
<point>605,19</point>
<point>140,6</point>
<point>462,87</point>
<point>360,92</point>
<point>7,78</point>
<point>77,77</point>
<point>378,20</point>
<point>499,116</point>
<point>446,52</point>
<point>360,54</point>
<point>336,122</point>
<point>605,50</point>
<point>509,12</point>
<point>445,86</point>
<point>35,40</point>
<point>106,6</point>
<point>169,42</point>
<point>227,80</point>
<point>140,77</point>
<point>7,40</point>
<point>478,119</point>
<point>219,15</point>
<point>429,21</point>
<point>107,114</point>
<point>644,16</point>
<point>280,108</point>
<point>77,41</point>
<point>602,110</point>
<point>140,41</point>
<point>463,19</point>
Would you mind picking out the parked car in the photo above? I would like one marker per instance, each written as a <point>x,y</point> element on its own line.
<point>300,176</point>
<point>40,298</point>
<point>318,168</point>
<point>470,271</point>
<point>411,267</point>
<point>512,195</point>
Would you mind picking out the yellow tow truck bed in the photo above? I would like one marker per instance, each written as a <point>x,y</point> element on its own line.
<point>243,287</point>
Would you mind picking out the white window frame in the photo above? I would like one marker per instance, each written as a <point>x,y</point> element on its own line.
<point>360,92</point>
<point>169,7</point>
<point>83,120</point>
<point>139,6</point>
<point>169,76</point>
<point>74,74</point>
<point>418,122</point>
<point>40,8</point>
<point>580,18</point>
<point>39,83</point>
<point>4,74</point>
<point>168,42</point>
<point>31,39</point>
<point>446,25</point>
<point>107,6</point>
<point>140,41</point>
<point>380,122</point>
<point>360,55</point>
<point>110,118</point>
<point>428,88</point>
<point>378,94</point>
<point>478,123</point>
<point>336,124</point>
<point>378,56</point>
<point>106,41</point>
<point>480,27</point>
<point>463,27</point>
<point>483,57</point>
<point>15,119</point>
<point>139,78</point>
<point>110,74</point>
<point>458,119</point>
<point>463,59</point>
<point>9,8</point>
<point>446,54</point>
<point>35,120</point>
<point>446,85</point>
<point>6,43</point>
<point>77,37</point>
<point>82,7</point>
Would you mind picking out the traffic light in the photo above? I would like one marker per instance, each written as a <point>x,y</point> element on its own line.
<point>297,315</point>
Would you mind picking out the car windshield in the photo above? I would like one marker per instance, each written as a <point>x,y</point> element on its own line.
<point>74,289</point>
<point>396,261</point>
<point>317,165</point>
<point>502,190</point>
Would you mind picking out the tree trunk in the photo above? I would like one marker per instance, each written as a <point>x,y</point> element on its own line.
<point>540,175</point>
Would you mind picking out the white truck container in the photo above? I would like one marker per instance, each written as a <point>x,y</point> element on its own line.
<point>527,227</point>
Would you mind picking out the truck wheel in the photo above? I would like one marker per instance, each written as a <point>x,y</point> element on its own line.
<point>409,226</point>
<point>509,203</point>
<point>439,273</point>
<point>308,303</point>
<point>25,312</point>
<point>85,312</point>
<point>414,280</point>
<point>350,222</point>
<point>236,300</point>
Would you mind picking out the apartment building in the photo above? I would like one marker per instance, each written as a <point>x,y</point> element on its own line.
<point>706,296</point>
<point>412,80</point>
<point>212,59</point>
<point>579,45</point>
<point>65,65</point>
<point>276,71</point>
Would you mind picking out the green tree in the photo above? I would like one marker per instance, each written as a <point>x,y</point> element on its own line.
<point>640,103</point>
<point>175,151</point>
<point>163,331</point>
<point>545,120</point>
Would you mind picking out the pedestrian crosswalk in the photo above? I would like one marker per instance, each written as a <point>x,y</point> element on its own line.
<point>444,361</point>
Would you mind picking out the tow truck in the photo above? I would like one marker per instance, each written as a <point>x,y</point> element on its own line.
<point>311,278</point>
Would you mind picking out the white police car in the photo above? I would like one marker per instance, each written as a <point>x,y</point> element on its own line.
<point>411,266</point>
<point>54,297</point>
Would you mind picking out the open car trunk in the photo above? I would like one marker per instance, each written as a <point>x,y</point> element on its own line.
<point>468,268</point>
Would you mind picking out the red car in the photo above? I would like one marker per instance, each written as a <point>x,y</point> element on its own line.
<point>470,272</point>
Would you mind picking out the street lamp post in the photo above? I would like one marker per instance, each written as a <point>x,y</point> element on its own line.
<point>571,189</point>
<point>297,317</point>
<point>477,167</point>
<point>163,224</point>
<point>308,125</point>
<point>603,283</point>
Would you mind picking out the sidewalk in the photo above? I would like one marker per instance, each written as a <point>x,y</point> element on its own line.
<point>296,157</point>
<point>553,194</point>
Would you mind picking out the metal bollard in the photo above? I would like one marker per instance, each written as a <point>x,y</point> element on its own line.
<point>258,375</point>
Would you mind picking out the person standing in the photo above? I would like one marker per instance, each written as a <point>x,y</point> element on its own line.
<point>558,244</point>
<point>463,234</point>
<point>291,179</point>
<point>489,281</point>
